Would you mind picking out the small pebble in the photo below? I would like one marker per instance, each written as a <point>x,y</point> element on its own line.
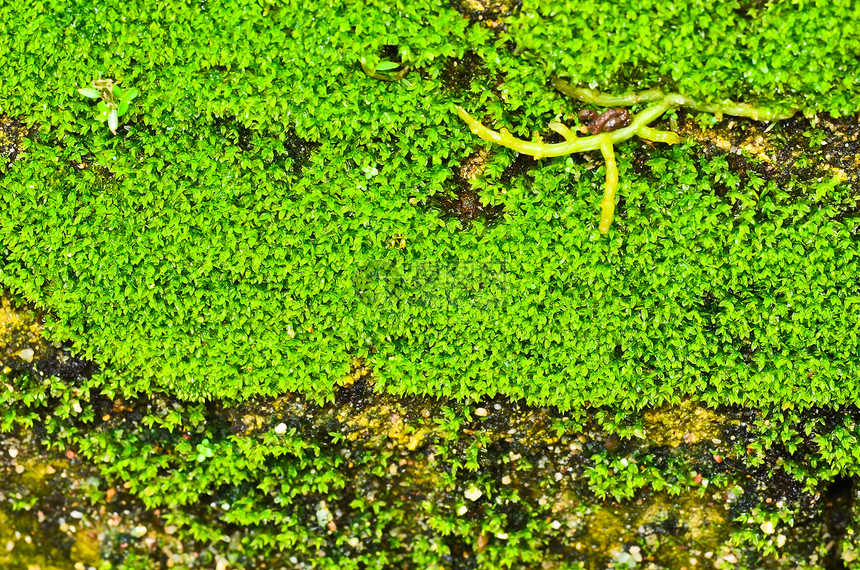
<point>481,412</point>
<point>19,469</point>
<point>13,453</point>
<point>281,428</point>
<point>462,510</point>
<point>473,493</point>
<point>26,354</point>
<point>767,527</point>
<point>506,480</point>
<point>76,514</point>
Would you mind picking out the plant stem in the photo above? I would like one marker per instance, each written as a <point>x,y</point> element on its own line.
<point>607,205</point>
<point>674,100</point>
<point>605,142</point>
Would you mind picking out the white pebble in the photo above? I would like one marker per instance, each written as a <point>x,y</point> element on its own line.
<point>481,412</point>
<point>473,493</point>
<point>281,428</point>
<point>13,453</point>
<point>26,354</point>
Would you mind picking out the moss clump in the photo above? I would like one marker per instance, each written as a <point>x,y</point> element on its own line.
<point>261,221</point>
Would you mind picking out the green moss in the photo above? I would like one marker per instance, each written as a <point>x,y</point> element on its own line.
<point>224,267</point>
<point>382,481</point>
<point>266,217</point>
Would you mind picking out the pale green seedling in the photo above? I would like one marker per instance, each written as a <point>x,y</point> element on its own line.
<point>114,100</point>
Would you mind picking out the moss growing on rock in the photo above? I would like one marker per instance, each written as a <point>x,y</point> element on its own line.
<point>268,216</point>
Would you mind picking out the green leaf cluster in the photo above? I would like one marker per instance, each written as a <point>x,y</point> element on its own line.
<point>797,55</point>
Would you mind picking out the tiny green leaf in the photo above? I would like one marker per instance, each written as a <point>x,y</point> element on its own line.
<point>387,66</point>
<point>90,92</point>
<point>130,94</point>
<point>103,112</point>
<point>113,121</point>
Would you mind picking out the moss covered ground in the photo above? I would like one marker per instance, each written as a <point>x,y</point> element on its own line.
<point>292,217</point>
<point>268,212</point>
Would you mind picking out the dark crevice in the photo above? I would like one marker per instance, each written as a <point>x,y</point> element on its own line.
<point>837,504</point>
